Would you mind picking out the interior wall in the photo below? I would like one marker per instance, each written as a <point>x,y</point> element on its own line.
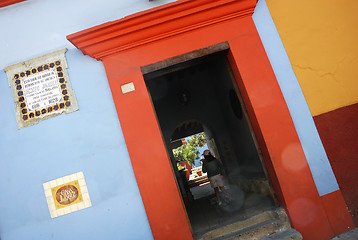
<point>201,107</point>
<point>209,104</point>
<point>241,140</point>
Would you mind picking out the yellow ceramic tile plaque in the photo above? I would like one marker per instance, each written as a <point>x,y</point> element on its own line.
<point>67,194</point>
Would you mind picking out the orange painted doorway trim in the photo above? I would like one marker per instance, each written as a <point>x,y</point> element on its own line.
<point>4,3</point>
<point>144,38</point>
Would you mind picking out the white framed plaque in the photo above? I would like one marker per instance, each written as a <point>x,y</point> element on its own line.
<point>41,88</point>
<point>67,194</point>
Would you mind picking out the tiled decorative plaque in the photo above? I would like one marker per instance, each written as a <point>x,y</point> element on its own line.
<point>41,88</point>
<point>67,194</point>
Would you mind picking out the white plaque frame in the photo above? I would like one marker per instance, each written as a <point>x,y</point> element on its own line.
<point>82,188</point>
<point>41,88</point>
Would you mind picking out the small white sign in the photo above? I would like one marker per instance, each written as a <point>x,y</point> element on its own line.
<point>129,87</point>
<point>42,90</point>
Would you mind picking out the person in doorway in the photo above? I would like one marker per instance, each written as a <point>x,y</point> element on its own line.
<point>214,169</point>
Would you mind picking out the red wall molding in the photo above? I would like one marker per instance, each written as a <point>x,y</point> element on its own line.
<point>4,3</point>
<point>157,24</point>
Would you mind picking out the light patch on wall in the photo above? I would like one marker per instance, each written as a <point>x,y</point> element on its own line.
<point>129,87</point>
<point>67,194</point>
<point>41,88</point>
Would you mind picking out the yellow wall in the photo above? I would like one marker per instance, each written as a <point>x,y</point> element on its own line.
<point>321,40</point>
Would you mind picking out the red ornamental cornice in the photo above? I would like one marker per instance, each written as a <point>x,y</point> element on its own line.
<point>157,24</point>
<point>4,3</point>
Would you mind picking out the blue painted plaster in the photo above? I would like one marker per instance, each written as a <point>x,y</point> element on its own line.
<point>88,140</point>
<point>316,156</point>
<point>34,28</point>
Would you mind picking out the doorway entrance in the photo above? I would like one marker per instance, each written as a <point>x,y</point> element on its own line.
<point>201,95</point>
<point>128,44</point>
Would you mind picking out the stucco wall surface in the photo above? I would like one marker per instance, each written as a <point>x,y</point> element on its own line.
<point>320,39</point>
<point>314,151</point>
<point>343,156</point>
<point>32,28</point>
<point>89,140</point>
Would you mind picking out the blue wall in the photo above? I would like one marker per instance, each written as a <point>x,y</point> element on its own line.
<point>33,28</point>
<point>88,140</point>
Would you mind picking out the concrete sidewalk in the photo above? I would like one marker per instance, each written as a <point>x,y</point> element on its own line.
<point>351,235</point>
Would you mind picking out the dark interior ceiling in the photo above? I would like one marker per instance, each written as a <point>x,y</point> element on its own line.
<point>187,129</point>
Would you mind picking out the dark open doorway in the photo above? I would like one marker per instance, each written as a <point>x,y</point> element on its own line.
<point>200,95</point>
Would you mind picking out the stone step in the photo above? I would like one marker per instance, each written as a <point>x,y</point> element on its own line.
<point>289,234</point>
<point>255,232</point>
<point>262,226</point>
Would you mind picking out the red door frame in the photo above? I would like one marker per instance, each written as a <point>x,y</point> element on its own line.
<point>144,38</point>
<point>5,3</point>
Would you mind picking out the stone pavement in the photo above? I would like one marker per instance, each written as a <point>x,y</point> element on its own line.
<point>351,235</point>
<point>206,216</point>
